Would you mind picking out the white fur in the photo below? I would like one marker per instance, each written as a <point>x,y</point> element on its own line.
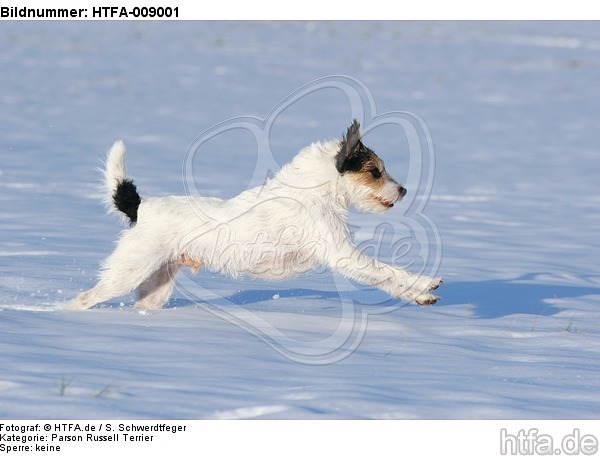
<point>295,222</point>
<point>114,172</point>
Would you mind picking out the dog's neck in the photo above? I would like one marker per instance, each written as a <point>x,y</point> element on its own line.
<point>313,173</point>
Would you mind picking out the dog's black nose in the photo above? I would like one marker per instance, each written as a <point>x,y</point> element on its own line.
<point>402,190</point>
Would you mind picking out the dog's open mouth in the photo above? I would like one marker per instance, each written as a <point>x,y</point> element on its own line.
<point>384,202</point>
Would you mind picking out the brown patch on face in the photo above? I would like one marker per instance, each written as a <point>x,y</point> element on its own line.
<point>384,190</point>
<point>371,173</point>
<point>365,170</point>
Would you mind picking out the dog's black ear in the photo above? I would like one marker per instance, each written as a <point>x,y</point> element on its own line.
<point>349,148</point>
<point>352,138</point>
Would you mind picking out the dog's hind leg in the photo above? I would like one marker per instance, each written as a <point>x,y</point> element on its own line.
<point>132,263</point>
<point>106,289</point>
<point>155,291</point>
<point>113,282</point>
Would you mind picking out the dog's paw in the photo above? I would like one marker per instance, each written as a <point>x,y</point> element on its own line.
<point>74,304</point>
<point>426,299</point>
<point>420,298</point>
<point>419,291</point>
<point>426,283</point>
<point>82,301</point>
<point>435,283</point>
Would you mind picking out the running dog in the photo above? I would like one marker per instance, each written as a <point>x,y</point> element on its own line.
<point>296,221</point>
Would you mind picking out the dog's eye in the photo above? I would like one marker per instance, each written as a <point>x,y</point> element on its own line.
<point>375,173</point>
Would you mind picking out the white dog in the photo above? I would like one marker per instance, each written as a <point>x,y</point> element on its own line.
<point>295,222</point>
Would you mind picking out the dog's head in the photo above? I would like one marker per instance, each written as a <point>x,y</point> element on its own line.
<point>368,185</point>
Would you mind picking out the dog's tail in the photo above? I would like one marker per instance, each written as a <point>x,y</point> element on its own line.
<point>121,193</point>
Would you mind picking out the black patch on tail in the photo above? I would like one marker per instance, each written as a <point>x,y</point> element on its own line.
<point>127,199</point>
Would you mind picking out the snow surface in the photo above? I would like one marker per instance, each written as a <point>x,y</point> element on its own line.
<point>513,111</point>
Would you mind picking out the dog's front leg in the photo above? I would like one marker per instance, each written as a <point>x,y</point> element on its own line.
<point>351,263</point>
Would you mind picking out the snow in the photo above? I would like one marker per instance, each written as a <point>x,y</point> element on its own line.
<point>512,109</point>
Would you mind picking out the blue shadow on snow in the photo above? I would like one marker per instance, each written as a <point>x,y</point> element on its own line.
<point>490,298</point>
<point>499,298</point>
